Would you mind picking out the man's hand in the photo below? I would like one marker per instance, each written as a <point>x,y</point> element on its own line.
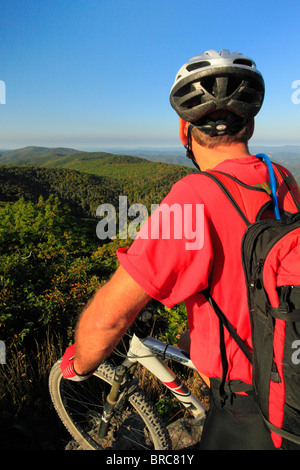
<point>67,366</point>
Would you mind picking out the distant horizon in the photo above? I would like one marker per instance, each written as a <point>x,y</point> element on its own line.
<point>139,147</point>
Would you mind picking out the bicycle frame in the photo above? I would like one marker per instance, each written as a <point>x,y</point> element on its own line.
<point>150,353</point>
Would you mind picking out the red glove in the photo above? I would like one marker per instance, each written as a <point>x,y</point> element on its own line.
<point>67,366</point>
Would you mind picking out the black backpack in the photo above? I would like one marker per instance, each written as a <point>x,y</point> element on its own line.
<point>271,262</point>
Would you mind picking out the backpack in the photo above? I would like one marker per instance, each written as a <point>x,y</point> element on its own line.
<point>271,262</point>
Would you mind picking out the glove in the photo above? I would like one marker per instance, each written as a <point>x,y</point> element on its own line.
<point>67,366</point>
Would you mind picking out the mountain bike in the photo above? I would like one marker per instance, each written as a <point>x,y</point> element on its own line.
<point>109,411</point>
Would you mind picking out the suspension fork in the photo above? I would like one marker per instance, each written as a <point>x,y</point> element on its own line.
<point>154,364</point>
<point>114,396</point>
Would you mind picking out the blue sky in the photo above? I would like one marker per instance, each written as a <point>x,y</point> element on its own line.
<point>94,74</point>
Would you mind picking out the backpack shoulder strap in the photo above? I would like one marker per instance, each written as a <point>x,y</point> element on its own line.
<point>230,191</point>
<point>227,324</point>
<point>236,192</point>
<point>223,321</point>
<point>288,186</point>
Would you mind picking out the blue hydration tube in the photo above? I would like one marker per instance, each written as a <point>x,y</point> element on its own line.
<point>273,184</point>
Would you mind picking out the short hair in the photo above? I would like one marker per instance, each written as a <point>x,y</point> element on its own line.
<point>207,141</point>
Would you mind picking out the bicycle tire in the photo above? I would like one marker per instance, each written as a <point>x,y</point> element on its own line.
<point>138,426</point>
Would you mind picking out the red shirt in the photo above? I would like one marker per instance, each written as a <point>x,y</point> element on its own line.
<point>172,267</point>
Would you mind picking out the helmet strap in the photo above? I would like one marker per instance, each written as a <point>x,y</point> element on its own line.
<point>189,152</point>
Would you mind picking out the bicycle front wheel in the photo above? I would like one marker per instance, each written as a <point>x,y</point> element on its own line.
<point>137,426</point>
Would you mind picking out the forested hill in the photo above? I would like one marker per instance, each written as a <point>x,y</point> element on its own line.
<point>82,192</point>
<point>33,155</point>
<point>85,180</point>
<point>100,162</point>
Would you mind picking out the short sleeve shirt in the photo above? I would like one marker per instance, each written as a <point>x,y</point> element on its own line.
<point>192,241</point>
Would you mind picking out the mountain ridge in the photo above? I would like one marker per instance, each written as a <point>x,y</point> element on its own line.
<point>94,161</point>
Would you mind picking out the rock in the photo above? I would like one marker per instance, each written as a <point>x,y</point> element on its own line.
<point>185,433</point>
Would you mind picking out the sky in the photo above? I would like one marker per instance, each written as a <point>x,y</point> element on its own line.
<point>96,74</point>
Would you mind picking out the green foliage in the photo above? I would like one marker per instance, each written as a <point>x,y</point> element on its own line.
<point>49,268</point>
<point>82,192</point>
<point>93,181</point>
<point>170,322</point>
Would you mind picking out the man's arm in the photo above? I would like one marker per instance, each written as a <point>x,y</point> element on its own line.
<point>105,320</point>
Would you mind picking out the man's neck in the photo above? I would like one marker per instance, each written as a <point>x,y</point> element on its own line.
<point>210,158</point>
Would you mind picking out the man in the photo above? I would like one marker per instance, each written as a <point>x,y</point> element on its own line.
<point>217,96</point>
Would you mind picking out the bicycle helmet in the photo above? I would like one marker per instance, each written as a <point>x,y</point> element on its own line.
<point>217,81</point>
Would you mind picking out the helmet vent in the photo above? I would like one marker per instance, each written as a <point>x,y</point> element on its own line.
<point>246,62</point>
<point>198,65</point>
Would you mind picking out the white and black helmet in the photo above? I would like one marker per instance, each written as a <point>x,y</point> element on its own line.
<point>217,81</point>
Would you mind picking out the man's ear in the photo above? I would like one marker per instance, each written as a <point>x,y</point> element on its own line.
<point>183,131</point>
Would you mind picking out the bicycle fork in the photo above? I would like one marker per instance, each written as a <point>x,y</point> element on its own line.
<point>145,350</point>
<point>112,398</point>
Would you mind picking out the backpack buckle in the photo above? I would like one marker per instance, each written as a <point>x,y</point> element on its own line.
<point>284,307</point>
